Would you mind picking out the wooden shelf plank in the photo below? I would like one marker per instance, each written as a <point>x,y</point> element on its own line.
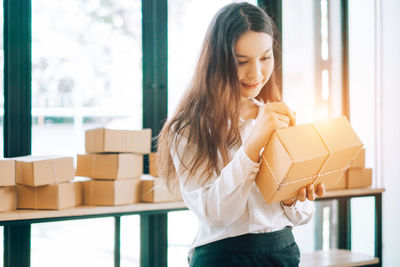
<point>353,192</point>
<point>18,215</point>
<point>336,258</point>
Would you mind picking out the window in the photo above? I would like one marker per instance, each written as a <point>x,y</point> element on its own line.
<point>362,88</point>
<point>182,228</point>
<point>1,245</point>
<point>90,241</point>
<point>130,241</point>
<point>1,77</point>
<point>86,71</point>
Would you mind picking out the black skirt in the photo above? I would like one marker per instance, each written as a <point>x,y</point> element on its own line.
<point>267,249</point>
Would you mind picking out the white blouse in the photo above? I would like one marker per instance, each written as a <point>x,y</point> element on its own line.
<point>231,204</point>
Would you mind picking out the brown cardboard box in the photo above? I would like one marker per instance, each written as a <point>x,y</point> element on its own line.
<point>341,184</point>
<point>357,178</point>
<point>7,198</point>
<point>153,167</point>
<point>359,161</point>
<point>107,140</point>
<point>111,193</point>
<point>304,154</point>
<point>155,190</point>
<point>37,171</point>
<point>110,166</point>
<point>7,172</point>
<point>50,197</point>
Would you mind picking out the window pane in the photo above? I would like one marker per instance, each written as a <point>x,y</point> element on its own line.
<point>86,70</point>
<point>1,245</point>
<point>363,225</point>
<point>362,74</point>
<point>182,228</point>
<point>187,24</point>
<point>1,79</point>
<point>362,109</point>
<point>130,241</point>
<point>78,243</point>
<point>298,58</point>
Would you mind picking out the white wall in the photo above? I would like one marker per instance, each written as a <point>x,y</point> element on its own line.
<point>390,109</point>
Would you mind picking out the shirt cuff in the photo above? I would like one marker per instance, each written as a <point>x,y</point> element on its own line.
<point>252,166</point>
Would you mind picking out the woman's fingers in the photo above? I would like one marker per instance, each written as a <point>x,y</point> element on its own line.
<point>283,109</point>
<point>301,196</point>
<point>310,192</point>
<point>283,118</point>
<point>320,190</point>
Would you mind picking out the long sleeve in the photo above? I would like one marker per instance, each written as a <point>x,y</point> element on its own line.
<point>300,212</point>
<point>222,199</point>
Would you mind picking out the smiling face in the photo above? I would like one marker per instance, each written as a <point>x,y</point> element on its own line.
<point>255,59</point>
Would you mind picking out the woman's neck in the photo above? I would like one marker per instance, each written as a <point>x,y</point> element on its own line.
<point>248,110</point>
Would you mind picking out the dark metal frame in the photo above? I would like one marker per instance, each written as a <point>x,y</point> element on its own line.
<point>155,64</point>
<point>17,112</point>
<point>153,227</point>
<point>153,244</point>
<point>344,215</point>
<point>274,9</point>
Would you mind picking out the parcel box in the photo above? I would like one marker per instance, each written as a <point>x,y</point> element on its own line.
<point>107,140</point>
<point>50,197</point>
<point>341,184</point>
<point>357,178</point>
<point>7,198</point>
<point>111,193</point>
<point>153,164</point>
<point>154,189</point>
<point>7,172</point>
<point>305,154</point>
<point>359,161</point>
<point>110,166</point>
<point>37,171</point>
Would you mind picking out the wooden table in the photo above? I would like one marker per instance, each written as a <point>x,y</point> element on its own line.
<point>153,222</point>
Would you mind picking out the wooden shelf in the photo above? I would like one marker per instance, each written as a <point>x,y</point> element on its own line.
<point>19,215</point>
<point>336,258</point>
<point>353,192</point>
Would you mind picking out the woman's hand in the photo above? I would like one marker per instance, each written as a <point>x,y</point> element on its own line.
<point>307,192</point>
<point>271,116</point>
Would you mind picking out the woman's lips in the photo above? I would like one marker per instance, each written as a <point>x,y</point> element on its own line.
<point>250,85</point>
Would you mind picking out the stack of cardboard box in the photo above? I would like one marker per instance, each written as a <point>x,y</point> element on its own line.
<point>154,188</point>
<point>357,175</point>
<point>310,153</point>
<point>114,161</point>
<point>7,185</point>
<point>46,183</point>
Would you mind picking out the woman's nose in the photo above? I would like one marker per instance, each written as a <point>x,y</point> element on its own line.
<point>254,71</point>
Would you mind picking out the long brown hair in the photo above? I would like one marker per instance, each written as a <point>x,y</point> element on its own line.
<point>208,113</point>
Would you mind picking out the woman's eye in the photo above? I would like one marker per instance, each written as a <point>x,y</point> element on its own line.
<point>242,63</point>
<point>265,58</point>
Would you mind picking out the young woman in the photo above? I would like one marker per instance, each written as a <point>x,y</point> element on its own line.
<point>210,147</point>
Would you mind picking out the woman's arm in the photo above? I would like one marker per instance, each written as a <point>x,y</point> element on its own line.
<point>222,199</point>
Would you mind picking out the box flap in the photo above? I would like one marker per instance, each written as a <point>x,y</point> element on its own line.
<point>340,138</point>
<point>302,142</point>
